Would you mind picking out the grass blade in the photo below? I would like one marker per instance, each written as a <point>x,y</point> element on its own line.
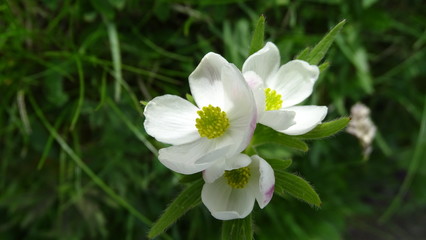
<point>64,145</point>
<point>116,58</point>
<point>81,93</point>
<point>419,155</point>
<point>132,127</point>
<point>49,142</point>
<point>102,91</point>
<point>20,99</point>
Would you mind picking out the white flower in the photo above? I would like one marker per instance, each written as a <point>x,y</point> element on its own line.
<point>232,194</point>
<point>221,126</point>
<point>278,89</point>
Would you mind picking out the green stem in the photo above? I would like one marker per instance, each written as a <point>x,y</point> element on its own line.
<point>238,229</point>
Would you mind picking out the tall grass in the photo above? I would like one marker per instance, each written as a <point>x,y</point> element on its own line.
<point>76,162</point>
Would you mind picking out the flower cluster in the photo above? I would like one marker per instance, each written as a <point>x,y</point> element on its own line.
<point>210,136</point>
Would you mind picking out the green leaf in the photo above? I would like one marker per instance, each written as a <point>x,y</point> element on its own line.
<point>238,229</point>
<point>318,52</point>
<point>326,129</point>
<point>190,98</point>
<point>287,183</point>
<point>187,199</point>
<point>265,135</point>
<point>258,36</point>
<point>279,164</point>
<point>303,54</point>
<point>324,66</point>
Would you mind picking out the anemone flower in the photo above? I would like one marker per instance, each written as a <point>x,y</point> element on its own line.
<point>220,125</point>
<point>278,89</point>
<point>232,193</point>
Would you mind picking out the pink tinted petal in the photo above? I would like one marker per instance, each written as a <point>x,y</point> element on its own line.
<point>193,157</point>
<point>306,118</point>
<point>253,80</point>
<point>264,62</point>
<point>294,81</point>
<point>257,88</point>
<point>205,81</point>
<point>226,203</point>
<point>278,120</point>
<point>266,182</point>
<point>241,135</point>
<point>240,107</point>
<point>171,119</point>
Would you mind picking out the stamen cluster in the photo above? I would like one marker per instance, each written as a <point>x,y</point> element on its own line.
<point>238,178</point>
<point>273,100</point>
<point>212,122</point>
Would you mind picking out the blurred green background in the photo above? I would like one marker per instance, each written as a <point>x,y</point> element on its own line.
<point>75,162</point>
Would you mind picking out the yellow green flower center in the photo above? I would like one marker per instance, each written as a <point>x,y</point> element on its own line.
<point>212,122</point>
<point>273,100</point>
<point>238,178</point>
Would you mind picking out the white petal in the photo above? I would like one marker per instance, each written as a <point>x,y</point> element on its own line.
<point>193,157</point>
<point>263,62</point>
<point>225,202</point>
<point>171,119</point>
<point>239,105</point>
<point>218,168</point>
<point>278,120</point>
<point>215,171</point>
<point>294,81</point>
<point>205,81</point>
<point>307,118</point>
<point>259,96</point>
<point>266,181</point>
<point>238,161</point>
<point>238,95</point>
<point>241,135</point>
<point>253,80</point>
